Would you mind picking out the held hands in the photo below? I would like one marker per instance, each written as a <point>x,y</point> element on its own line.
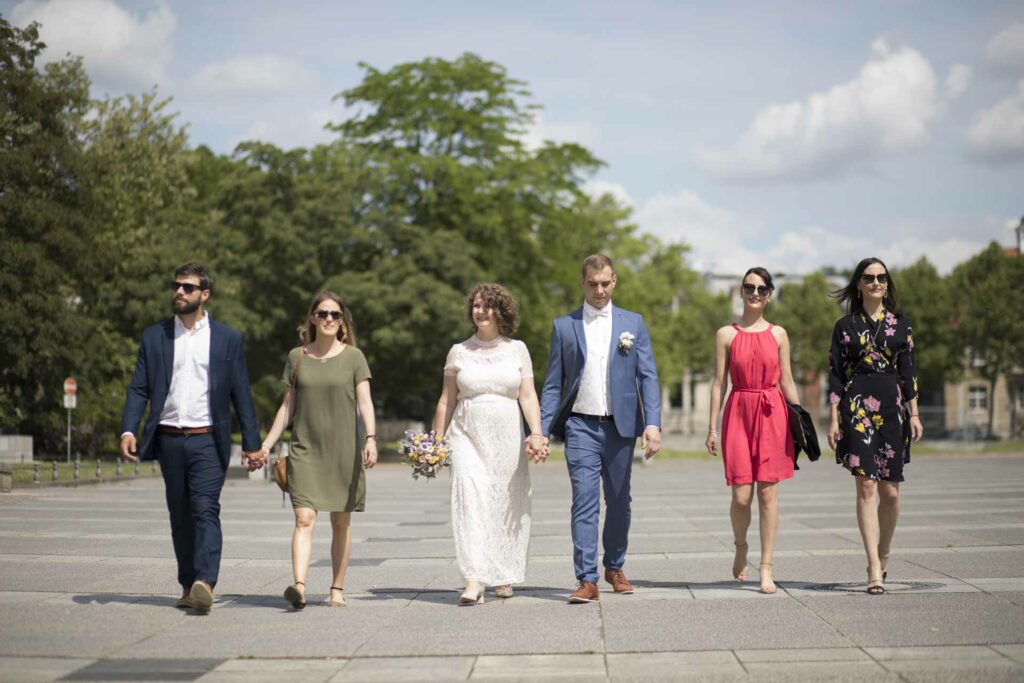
<point>128,448</point>
<point>711,443</point>
<point>537,447</point>
<point>651,442</point>
<point>253,460</point>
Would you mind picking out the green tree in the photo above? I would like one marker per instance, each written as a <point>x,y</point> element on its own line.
<point>988,316</point>
<point>809,315</point>
<point>925,297</point>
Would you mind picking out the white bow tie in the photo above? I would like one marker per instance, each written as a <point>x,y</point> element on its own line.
<point>592,313</point>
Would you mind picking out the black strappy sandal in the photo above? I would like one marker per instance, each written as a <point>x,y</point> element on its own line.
<point>294,596</point>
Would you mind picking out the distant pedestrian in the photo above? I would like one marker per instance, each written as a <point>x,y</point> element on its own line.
<point>756,442</point>
<point>873,397</point>
<point>190,368</point>
<point>327,380</point>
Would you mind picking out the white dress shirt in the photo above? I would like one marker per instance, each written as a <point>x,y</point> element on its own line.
<point>188,399</point>
<point>593,397</point>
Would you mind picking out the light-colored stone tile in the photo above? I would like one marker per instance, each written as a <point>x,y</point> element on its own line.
<point>998,584</point>
<point>31,669</point>
<point>816,670</point>
<point>538,666</point>
<point>406,669</point>
<point>1014,652</point>
<point>818,654</point>
<point>932,653</point>
<point>632,666</point>
<point>958,669</point>
<point>281,666</point>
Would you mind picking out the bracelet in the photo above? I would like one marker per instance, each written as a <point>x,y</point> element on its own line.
<point>371,436</point>
<point>712,431</point>
<point>915,415</point>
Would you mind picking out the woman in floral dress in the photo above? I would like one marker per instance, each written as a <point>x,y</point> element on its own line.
<point>873,397</point>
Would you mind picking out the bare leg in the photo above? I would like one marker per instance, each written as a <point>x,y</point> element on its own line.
<point>341,549</point>
<point>739,515</point>
<point>302,545</point>
<point>768,520</point>
<point>867,520</point>
<point>888,514</point>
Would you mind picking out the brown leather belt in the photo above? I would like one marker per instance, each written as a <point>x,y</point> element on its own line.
<point>184,431</point>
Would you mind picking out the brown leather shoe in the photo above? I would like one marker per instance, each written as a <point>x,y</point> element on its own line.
<point>617,578</point>
<point>185,601</point>
<point>202,597</point>
<point>587,592</point>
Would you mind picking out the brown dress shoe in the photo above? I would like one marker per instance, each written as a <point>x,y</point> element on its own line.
<point>587,592</point>
<point>617,578</point>
<point>185,601</point>
<point>202,597</point>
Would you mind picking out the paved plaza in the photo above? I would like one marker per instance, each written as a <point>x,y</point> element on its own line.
<point>87,585</point>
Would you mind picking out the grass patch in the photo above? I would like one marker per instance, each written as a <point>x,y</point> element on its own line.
<point>24,473</point>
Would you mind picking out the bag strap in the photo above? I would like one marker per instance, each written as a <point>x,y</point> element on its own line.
<point>295,370</point>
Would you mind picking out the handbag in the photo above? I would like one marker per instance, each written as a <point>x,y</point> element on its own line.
<point>281,464</point>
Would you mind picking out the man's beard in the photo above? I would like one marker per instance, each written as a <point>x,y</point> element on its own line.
<point>183,307</point>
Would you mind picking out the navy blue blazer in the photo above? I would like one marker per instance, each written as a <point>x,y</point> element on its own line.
<point>632,376</point>
<point>229,383</point>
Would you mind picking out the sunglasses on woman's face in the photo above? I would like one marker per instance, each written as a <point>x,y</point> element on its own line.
<point>324,315</point>
<point>762,290</point>
<point>187,286</point>
<point>881,278</point>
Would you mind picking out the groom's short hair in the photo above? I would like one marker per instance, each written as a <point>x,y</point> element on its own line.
<point>596,262</point>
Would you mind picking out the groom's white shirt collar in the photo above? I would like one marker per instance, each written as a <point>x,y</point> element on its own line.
<point>594,312</point>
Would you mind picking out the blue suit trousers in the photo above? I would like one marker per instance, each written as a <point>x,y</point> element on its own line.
<point>595,452</point>
<point>193,479</point>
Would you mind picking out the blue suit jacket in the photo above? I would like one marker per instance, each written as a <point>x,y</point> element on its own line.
<point>633,378</point>
<point>229,383</point>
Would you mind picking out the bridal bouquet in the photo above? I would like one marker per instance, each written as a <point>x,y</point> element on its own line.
<point>425,453</point>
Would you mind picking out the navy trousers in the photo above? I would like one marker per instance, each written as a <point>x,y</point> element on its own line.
<point>193,479</point>
<point>595,452</point>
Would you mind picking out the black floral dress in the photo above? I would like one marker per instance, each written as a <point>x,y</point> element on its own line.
<point>872,376</point>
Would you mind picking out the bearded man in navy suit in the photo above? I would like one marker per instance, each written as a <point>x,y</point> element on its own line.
<point>601,393</point>
<point>189,369</point>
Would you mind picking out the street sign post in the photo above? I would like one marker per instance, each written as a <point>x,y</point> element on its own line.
<point>70,402</point>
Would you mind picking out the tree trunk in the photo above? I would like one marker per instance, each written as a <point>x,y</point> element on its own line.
<point>992,401</point>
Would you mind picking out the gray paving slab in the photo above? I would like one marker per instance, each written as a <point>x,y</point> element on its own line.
<point>32,669</point>
<point>957,671</point>
<point>406,669</point>
<point>529,667</point>
<point>674,665</point>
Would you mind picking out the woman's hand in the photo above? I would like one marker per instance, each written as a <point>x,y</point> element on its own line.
<point>537,447</point>
<point>370,453</point>
<point>711,443</point>
<point>916,428</point>
<point>833,434</point>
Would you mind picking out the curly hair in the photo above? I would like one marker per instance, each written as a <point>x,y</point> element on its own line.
<point>496,297</point>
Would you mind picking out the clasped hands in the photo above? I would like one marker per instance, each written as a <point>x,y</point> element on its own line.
<point>537,447</point>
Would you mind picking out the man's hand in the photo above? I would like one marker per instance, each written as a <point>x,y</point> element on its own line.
<point>128,448</point>
<point>537,447</point>
<point>253,460</point>
<point>651,442</point>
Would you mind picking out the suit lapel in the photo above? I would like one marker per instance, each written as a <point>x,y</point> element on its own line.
<point>217,352</point>
<point>581,336</point>
<point>168,350</point>
<point>616,331</point>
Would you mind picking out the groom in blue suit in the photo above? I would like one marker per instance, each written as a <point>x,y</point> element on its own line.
<point>601,393</point>
<point>190,369</point>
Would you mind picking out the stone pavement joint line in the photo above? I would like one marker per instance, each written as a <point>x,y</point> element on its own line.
<point>87,587</point>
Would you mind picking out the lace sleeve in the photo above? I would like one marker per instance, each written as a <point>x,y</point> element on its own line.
<point>450,367</point>
<point>525,364</point>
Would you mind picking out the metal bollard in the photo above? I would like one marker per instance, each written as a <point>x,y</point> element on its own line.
<point>136,468</point>
<point>117,468</point>
<point>35,474</point>
<point>77,474</point>
<point>55,470</point>
<point>99,468</point>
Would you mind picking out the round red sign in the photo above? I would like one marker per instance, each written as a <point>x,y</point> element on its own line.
<point>70,386</point>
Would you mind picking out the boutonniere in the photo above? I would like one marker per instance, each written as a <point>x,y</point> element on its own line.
<point>626,341</point>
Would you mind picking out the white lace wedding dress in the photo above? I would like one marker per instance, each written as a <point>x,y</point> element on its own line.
<point>490,475</point>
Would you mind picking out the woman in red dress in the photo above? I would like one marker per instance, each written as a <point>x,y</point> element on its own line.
<point>756,445</point>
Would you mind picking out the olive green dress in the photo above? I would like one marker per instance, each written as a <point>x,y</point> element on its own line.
<point>325,467</point>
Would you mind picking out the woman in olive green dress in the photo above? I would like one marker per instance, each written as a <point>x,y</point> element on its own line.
<point>326,470</point>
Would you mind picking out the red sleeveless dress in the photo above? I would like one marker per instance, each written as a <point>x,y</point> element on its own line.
<point>756,445</point>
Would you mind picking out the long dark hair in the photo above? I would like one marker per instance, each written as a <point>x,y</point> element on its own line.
<point>346,333</point>
<point>849,296</point>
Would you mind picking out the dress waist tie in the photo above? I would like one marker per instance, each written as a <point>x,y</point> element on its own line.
<point>764,410</point>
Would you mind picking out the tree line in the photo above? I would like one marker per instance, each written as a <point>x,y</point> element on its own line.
<point>426,189</point>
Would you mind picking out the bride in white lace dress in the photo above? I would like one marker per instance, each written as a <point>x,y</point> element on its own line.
<point>487,379</point>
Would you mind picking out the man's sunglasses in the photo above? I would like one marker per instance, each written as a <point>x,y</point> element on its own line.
<point>881,278</point>
<point>324,315</point>
<point>187,286</point>
<point>762,290</point>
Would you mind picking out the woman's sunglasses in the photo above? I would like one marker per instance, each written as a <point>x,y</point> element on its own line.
<point>762,290</point>
<point>881,278</point>
<point>324,315</point>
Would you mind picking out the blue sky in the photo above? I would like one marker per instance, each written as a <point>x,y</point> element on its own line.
<point>788,134</point>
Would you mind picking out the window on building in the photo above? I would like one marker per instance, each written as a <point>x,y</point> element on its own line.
<point>977,398</point>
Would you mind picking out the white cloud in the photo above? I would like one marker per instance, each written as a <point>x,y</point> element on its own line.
<point>306,131</point>
<point>997,134</point>
<point>120,49</point>
<point>252,75</point>
<point>957,81</point>
<point>1006,49</point>
<point>541,131</point>
<point>596,188</point>
<point>888,107</point>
